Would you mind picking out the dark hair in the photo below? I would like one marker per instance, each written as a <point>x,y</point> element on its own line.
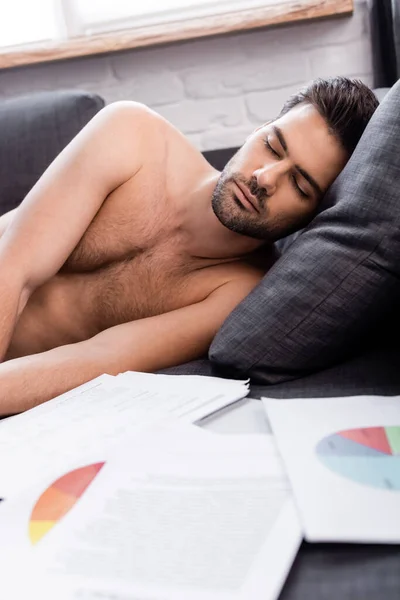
<point>346,105</point>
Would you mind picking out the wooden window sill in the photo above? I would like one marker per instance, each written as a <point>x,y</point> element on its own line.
<point>287,13</point>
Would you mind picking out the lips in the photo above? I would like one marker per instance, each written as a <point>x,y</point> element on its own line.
<point>249,197</point>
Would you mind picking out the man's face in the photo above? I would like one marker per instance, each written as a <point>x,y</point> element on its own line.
<point>285,166</point>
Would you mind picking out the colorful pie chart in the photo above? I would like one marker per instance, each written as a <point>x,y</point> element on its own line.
<point>370,456</point>
<point>59,498</point>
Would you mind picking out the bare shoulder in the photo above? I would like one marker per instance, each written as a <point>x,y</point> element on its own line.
<point>244,277</point>
<point>235,283</point>
<point>124,118</point>
<point>158,134</point>
<point>236,277</point>
<point>180,149</point>
<point>127,110</point>
<point>235,280</point>
<point>136,114</point>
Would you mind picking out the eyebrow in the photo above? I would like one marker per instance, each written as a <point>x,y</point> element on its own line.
<point>303,173</point>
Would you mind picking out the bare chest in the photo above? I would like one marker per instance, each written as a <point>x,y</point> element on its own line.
<point>74,306</point>
<point>130,264</point>
<point>151,282</point>
<point>133,221</point>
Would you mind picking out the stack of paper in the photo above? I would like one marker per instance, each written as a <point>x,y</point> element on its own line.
<point>99,414</point>
<point>172,513</point>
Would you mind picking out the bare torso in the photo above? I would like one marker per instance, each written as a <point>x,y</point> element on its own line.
<point>131,263</point>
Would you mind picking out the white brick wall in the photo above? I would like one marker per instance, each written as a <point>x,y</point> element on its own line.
<point>215,90</point>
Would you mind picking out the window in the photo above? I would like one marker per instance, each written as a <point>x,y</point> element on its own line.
<point>101,16</point>
<point>40,30</point>
<point>27,21</point>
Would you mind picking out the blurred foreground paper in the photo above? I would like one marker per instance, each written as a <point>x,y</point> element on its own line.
<point>172,514</point>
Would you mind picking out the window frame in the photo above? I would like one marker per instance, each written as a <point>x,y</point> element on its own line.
<point>295,11</point>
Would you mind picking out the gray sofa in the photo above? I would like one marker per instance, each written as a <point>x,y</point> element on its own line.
<point>34,129</point>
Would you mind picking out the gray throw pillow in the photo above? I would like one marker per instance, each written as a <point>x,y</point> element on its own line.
<point>334,285</point>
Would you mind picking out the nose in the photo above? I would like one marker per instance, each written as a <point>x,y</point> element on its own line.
<point>269,175</point>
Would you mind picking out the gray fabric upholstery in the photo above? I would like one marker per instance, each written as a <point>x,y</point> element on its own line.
<point>202,366</point>
<point>34,129</point>
<point>332,288</point>
<point>344,572</point>
<point>375,371</point>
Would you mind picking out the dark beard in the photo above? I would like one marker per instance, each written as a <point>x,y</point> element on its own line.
<point>231,213</point>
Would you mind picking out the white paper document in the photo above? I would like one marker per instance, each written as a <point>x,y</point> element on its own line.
<point>97,415</point>
<point>196,396</point>
<point>342,456</point>
<point>171,515</point>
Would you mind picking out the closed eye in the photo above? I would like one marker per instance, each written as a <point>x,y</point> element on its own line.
<point>298,188</point>
<point>293,178</point>
<point>270,148</point>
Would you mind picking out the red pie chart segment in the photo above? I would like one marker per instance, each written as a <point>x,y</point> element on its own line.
<point>372,437</point>
<point>76,482</point>
<point>59,498</point>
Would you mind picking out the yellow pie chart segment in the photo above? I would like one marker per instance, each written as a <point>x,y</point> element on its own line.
<point>37,529</point>
<point>59,498</point>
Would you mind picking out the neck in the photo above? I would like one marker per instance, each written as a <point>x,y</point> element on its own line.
<point>206,236</point>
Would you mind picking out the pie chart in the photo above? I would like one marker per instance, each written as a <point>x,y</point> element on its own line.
<point>59,498</point>
<point>368,456</point>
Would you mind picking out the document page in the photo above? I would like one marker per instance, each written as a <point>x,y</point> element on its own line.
<point>168,516</point>
<point>342,456</point>
<point>197,396</point>
<point>99,414</point>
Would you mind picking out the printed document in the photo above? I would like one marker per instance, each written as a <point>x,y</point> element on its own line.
<point>342,456</point>
<point>99,414</point>
<point>171,514</point>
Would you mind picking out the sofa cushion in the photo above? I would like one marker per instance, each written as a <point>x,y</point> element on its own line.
<point>34,129</point>
<point>334,285</point>
<point>201,366</point>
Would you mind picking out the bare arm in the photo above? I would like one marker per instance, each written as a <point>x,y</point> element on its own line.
<point>145,345</point>
<point>57,211</point>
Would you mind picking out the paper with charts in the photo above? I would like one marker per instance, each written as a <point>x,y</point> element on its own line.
<point>99,414</point>
<point>342,456</point>
<point>174,514</point>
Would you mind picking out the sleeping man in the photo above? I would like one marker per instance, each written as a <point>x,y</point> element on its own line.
<point>131,249</point>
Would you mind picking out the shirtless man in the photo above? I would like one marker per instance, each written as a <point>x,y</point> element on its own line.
<point>131,250</point>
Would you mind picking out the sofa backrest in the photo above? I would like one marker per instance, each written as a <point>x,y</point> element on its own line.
<point>34,129</point>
